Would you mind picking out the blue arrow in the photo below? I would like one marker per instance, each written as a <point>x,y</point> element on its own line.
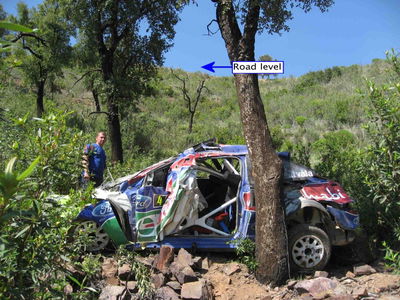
<point>210,67</point>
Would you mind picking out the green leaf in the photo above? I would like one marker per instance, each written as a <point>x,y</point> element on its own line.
<point>15,27</point>
<point>10,165</point>
<point>8,215</point>
<point>29,170</point>
<point>22,231</point>
<point>75,280</point>
<point>4,50</point>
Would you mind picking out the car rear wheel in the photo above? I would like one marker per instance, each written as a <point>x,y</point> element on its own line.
<point>309,248</point>
<point>97,238</point>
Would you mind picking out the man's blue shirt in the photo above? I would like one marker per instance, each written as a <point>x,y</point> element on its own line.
<point>97,160</point>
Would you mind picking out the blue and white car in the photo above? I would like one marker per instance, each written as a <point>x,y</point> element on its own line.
<point>203,198</point>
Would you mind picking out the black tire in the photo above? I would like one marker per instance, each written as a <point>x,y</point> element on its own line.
<point>309,248</point>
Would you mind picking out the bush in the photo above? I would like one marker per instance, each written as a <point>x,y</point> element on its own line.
<point>381,164</point>
<point>59,146</point>
<point>35,256</point>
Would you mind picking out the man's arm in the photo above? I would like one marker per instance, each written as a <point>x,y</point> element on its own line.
<point>85,163</point>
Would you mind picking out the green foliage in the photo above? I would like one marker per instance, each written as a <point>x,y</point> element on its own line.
<point>15,27</point>
<point>334,153</point>
<point>142,273</point>
<point>392,258</point>
<point>245,250</point>
<point>124,46</point>
<point>382,158</point>
<point>44,54</point>
<point>34,252</point>
<point>58,145</point>
<point>300,120</point>
<point>318,77</point>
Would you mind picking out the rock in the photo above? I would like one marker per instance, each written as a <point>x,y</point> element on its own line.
<point>318,288</point>
<point>182,274</point>
<point>306,296</point>
<point>199,290</point>
<point>290,285</point>
<point>197,262</point>
<point>166,293</point>
<point>68,289</point>
<point>363,270</point>
<point>226,280</point>
<point>184,258</point>
<point>231,268</point>
<point>186,275</point>
<point>109,268</point>
<point>359,292</point>
<point>112,281</point>
<point>158,280</point>
<point>175,285</point>
<point>321,274</point>
<point>131,285</point>
<point>340,297</point>
<point>124,272</point>
<point>389,297</point>
<point>205,264</point>
<point>164,258</point>
<point>147,261</point>
<point>350,274</point>
<point>111,292</point>
<point>347,280</point>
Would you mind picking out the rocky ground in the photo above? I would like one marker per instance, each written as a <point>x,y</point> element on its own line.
<point>179,275</point>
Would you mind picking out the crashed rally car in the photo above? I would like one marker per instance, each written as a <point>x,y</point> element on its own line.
<point>203,199</point>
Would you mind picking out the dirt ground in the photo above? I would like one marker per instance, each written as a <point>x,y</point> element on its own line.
<point>240,285</point>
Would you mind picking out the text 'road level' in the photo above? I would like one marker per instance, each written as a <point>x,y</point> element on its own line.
<point>257,67</point>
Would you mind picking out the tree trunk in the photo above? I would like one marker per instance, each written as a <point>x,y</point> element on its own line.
<point>114,127</point>
<point>96,99</point>
<point>271,241</point>
<point>39,98</point>
<point>114,131</point>
<point>191,122</point>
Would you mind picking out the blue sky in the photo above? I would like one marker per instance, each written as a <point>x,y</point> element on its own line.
<point>351,32</point>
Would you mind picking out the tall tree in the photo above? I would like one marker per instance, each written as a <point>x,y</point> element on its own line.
<point>47,51</point>
<point>129,39</point>
<point>239,21</point>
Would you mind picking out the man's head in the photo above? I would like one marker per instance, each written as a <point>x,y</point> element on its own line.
<point>101,138</point>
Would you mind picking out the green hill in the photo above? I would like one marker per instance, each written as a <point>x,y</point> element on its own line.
<point>299,110</point>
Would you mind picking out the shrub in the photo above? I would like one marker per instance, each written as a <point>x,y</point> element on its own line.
<point>381,164</point>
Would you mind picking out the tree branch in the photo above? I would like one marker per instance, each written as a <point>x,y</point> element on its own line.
<point>21,35</point>
<point>100,112</point>
<point>229,28</point>
<point>250,29</point>
<point>32,52</point>
<point>85,74</point>
<point>200,87</point>
<point>184,90</point>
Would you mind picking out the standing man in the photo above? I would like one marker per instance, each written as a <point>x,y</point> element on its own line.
<point>94,160</point>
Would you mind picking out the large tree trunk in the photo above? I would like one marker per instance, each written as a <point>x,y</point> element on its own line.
<point>271,244</point>
<point>39,98</point>
<point>114,129</point>
<point>271,241</point>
